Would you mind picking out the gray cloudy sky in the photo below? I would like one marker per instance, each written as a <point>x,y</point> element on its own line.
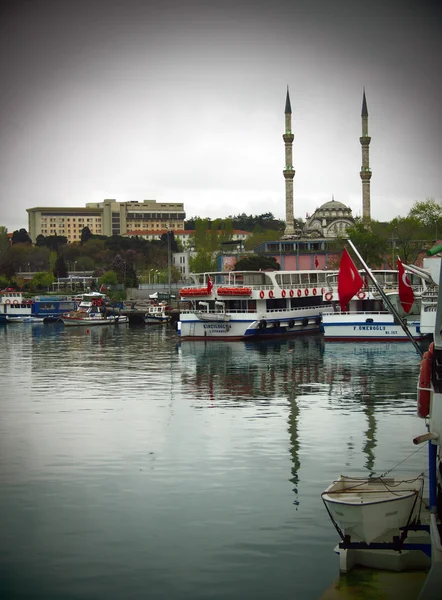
<point>183,101</point>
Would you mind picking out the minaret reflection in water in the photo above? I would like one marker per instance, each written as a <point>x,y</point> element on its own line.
<point>312,384</point>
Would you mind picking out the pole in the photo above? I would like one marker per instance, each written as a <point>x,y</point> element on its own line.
<point>386,300</point>
<point>169,264</point>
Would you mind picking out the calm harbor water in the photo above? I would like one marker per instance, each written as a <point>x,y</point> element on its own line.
<point>133,466</point>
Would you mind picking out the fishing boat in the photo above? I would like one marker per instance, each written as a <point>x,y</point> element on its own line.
<point>235,305</point>
<point>92,311</point>
<point>367,318</point>
<point>156,313</point>
<point>368,509</point>
<point>13,306</point>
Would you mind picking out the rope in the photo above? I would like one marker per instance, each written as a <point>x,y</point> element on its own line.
<point>402,461</point>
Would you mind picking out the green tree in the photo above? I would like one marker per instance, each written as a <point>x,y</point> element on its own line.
<point>202,262</point>
<point>42,281</point>
<point>108,278</point>
<point>256,262</point>
<point>86,235</point>
<point>60,269</point>
<point>53,242</point>
<point>371,246</point>
<point>21,237</point>
<point>4,239</point>
<point>429,213</point>
<point>407,240</point>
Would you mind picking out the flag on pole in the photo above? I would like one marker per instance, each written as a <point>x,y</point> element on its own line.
<point>349,280</point>
<point>209,285</point>
<point>316,262</point>
<point>406,295</point>
<point>103,288</point>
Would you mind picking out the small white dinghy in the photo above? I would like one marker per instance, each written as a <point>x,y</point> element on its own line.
<point>367,509</point>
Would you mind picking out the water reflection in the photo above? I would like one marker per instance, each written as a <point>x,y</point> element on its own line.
<point>178,464</point>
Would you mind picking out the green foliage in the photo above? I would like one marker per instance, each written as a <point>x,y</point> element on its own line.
<point>60,269</point>
<point>86,235</point>
<point>243,222</point>
<point>429,213</point>
<point>260,236</point>
<point>407,239</point>
<point>256,262</point>
<point>108,278</point>
<point>53,242</point>
<point>4,282</point>
<point>371,246</point>
<point>42,281</point>
<point>4,239</point>
<point>202,262</point>
<point>21,237</point>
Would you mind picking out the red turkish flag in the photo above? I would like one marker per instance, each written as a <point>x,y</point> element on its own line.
<point>406,295</point>
<point>349,280</point>
<point>209,285</point>
<point>316,262</point>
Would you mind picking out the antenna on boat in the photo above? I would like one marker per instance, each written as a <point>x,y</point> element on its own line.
<point>386,300</point>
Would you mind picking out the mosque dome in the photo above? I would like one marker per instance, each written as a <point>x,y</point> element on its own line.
<point>332,219</point>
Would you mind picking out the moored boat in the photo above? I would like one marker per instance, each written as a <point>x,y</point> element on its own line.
<point>92,311</point>
<point>368,509</point>
<point>13,305</point>
<point>156,313</point>
<point>236,305</point>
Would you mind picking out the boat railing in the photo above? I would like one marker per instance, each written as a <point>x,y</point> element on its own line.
<point>320,309</point>
<point>357,312</point>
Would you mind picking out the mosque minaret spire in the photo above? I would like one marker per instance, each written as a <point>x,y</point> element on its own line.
<point>365,173</point>
<point>289,172</point>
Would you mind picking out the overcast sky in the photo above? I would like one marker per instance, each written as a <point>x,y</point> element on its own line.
<point>183,101</point>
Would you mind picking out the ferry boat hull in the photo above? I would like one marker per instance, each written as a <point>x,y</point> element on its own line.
<point>367,326</point>
<point>239,328</point>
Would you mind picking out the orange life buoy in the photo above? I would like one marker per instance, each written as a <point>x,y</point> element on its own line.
<point>329,296</point>
<point>15,302</point>
<point>283,293</point>
<point>7,301</point>
<point>306,292</point>
<point>29,302</point>
<point>361,295</point>
<point>292,293</point>
<point>261,294</point>
<point>314,291</point>
<point>423,387</point>
<point>94,303</point>
<point>299,292</point>
<point>322,290</point>
<point>270,293</point>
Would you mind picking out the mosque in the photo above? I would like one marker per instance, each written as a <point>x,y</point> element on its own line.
<point>312,246</point>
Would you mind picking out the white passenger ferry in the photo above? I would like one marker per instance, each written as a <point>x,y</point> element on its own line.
<point>238,305</point>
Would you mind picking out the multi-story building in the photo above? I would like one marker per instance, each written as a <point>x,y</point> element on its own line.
<point>186,236</point>
<point>105,218</point>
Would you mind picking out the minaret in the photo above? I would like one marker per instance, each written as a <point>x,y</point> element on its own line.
<point>289,172</point>
<point>365,169</point>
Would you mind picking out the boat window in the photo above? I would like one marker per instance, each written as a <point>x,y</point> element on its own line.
<point>304,279</point>
<point>313,278</point>
<point>295,278</point>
